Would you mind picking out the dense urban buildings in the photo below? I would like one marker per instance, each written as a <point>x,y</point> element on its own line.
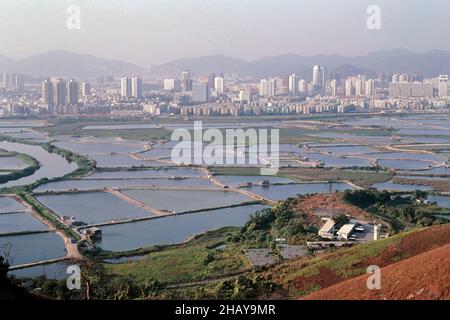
<point>218,94</point>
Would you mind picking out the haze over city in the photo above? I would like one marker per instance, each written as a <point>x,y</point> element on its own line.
<point>153,32</point>
<point>222,150</point>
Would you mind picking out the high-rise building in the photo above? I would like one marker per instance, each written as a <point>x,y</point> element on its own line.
<point>349,88</point>
<point>359,87</point>
<point>136,87</point>
<point>60,92</point>
<point>125,87</point>
<point>443,85</point>
<point>293,85</point>
<point>267,87</point>
<point>200,92</point>
<point>319,79</point>
<point>411,89</point>
<point>370,88</point>
<point>186,81</point>
<point>72,92</point>
<point>47,94</point>
<point>12,80</point>
<point>219,85</point>
<point>303,86</point>
<point>334,87</point>
<point>85,89</point>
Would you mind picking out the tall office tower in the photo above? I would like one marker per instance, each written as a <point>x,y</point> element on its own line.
<point>264,87</point>
<point>186,81</point>
<point>207,79</point>
<point>72,92</point>
<point>349,89</point>
<point>60,92</point>
<point>334,87</point>
<point>85,89</point>
<point>125,87</point>
<point>359,87</point>
<point>370,88</point>
<point>8,79</point>
<point>293,85</point>
<point>443,86</point>
<point>47,94</point>
<point>278,86</point>
<point>136,87</point>
<point>319,79</point>
<point>219,85</point>
<point>200,92</point>
<point>303,86</point>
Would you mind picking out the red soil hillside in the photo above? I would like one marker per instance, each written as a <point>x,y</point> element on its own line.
<point>421,277</point>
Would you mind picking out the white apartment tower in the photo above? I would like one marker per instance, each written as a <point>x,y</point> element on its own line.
<point>219,85</point>
<point>136,87</point>
<point>293,85</point>
<point>125,87</point>
<point>443,86</point>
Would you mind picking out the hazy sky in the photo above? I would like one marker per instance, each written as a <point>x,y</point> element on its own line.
<point>150,32</point>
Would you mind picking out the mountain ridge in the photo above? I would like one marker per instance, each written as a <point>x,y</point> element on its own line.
<point>69,64</point>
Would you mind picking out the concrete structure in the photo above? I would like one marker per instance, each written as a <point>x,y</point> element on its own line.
<point>186,81</point>
<point>319,79</point>
<point>200,92</point>
<point>219,85</point>
<point>293,85</point>
<point>47,95</point>
<point>443,86</point>
<point>72,92</point>
<point>136,87</point>
<point>125,87</point>
<point>85,89</point>
<point>327,230</point>
<point>346,231</point>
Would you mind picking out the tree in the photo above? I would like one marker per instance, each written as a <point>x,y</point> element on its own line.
<point>340,220</point>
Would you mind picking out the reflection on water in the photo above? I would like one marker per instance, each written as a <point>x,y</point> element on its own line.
<point>52,165</point>
<point>173,229</point>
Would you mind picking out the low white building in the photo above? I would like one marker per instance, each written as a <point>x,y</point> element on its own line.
<point>327,230</point>
<point>346,231</point>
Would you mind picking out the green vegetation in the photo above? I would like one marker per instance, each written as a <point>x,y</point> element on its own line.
<point>32,166</point>
<point>400,210</point>
<point>201,258</point>
<point>74,127</point>
<point>362,178</point>
<point>281,221</point>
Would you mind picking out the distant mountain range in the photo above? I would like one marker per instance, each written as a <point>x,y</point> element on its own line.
<point>431,63</point>
<point>84,66</point>
<point>68,64</point>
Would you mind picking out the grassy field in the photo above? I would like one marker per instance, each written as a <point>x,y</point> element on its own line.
<point>361,178</point>
<point>74,127</point>
<point>195,260</point>
<point>441,185</point>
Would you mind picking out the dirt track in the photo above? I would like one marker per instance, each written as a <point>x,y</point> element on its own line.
<point>422,277</point>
